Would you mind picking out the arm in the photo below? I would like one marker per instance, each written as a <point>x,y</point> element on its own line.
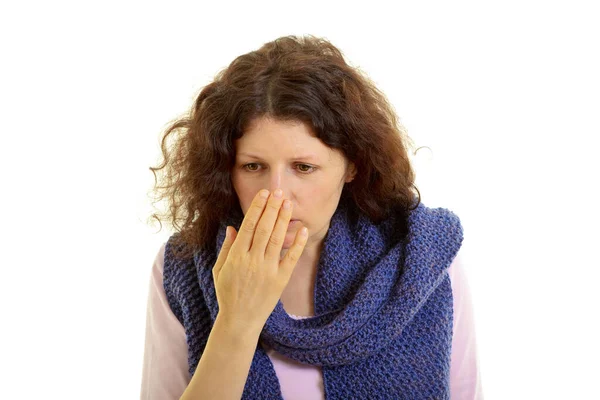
<point>165,368</point>
<point>465,378</point>
<point>165,373</point>
<point>225,362</point>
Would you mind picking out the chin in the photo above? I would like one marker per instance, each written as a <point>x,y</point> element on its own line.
<point>290,236</point>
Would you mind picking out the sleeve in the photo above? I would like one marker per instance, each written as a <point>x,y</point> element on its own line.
<point>465,377</point>
<point>165,367</point>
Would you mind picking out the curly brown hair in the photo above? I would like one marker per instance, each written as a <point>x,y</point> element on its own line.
<point>289,79</point>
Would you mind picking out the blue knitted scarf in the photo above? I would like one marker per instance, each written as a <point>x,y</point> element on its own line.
<point>383,308</point>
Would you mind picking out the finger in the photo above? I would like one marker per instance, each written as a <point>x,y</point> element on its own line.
<point>287,265</point>
<point>223,252</point>
<point>264,229</point>
<point>250,222</point>
<point>275,243</point>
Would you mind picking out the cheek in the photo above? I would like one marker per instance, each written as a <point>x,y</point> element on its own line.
<point>245,201</point>
<point>244,192</point>
<point>315,200</point>
<point>322,193</point>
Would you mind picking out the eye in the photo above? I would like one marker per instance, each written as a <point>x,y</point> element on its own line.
<point>306,169</point>
<point>246,166</point>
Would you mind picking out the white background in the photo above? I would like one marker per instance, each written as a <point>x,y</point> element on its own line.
<point>505,94</point>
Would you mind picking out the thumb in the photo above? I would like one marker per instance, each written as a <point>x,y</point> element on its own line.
<point>230,235</point>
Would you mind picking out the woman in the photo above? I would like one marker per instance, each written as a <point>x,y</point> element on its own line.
<point>365,305</point>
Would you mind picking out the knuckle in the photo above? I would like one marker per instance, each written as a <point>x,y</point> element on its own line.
<point>254,262</point>
<point>263,231</point>
<point>235,260</point>
<point>250,225</point>
<point>275,240</point>
<point>260,202</point>
<point>273,206</point>
<point>235,257</point>
<point>292,256</point>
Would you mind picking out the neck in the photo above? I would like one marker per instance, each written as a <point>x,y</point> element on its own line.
<point>312,250</point>
<point>310,255</point>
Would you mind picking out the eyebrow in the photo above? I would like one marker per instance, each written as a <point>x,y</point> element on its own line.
<point>304,157</point>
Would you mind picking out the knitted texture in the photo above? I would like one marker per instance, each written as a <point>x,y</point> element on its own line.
<point>383,308</point>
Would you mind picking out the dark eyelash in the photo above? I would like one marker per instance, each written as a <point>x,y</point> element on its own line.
<point>312,169</point>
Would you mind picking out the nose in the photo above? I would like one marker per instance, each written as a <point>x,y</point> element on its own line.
<point>284,194</point>
<point>276,181</point>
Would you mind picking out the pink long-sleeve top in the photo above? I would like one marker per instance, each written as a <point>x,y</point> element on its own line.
<point>165,366</point>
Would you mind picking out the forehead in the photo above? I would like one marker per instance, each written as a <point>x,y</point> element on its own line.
<point>266,127</point>
<point>267,137</point>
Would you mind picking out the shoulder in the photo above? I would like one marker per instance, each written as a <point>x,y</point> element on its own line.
<point>156,273</point>
<point>159,260</point>
<point>458,273</point>
<point>435,229</point>
<point>457,265</point>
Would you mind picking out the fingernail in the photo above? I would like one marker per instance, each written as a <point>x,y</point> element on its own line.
<point>278,193</point>
<point>264,194</point>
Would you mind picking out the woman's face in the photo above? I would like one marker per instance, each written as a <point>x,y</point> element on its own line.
<point>274,154</point>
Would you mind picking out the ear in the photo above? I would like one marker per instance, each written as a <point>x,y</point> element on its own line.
<point>351,172</point>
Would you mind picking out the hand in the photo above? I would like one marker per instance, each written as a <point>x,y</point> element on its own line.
<point>249,275</point>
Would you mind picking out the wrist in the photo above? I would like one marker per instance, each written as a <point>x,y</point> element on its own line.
<point>237,330</point>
